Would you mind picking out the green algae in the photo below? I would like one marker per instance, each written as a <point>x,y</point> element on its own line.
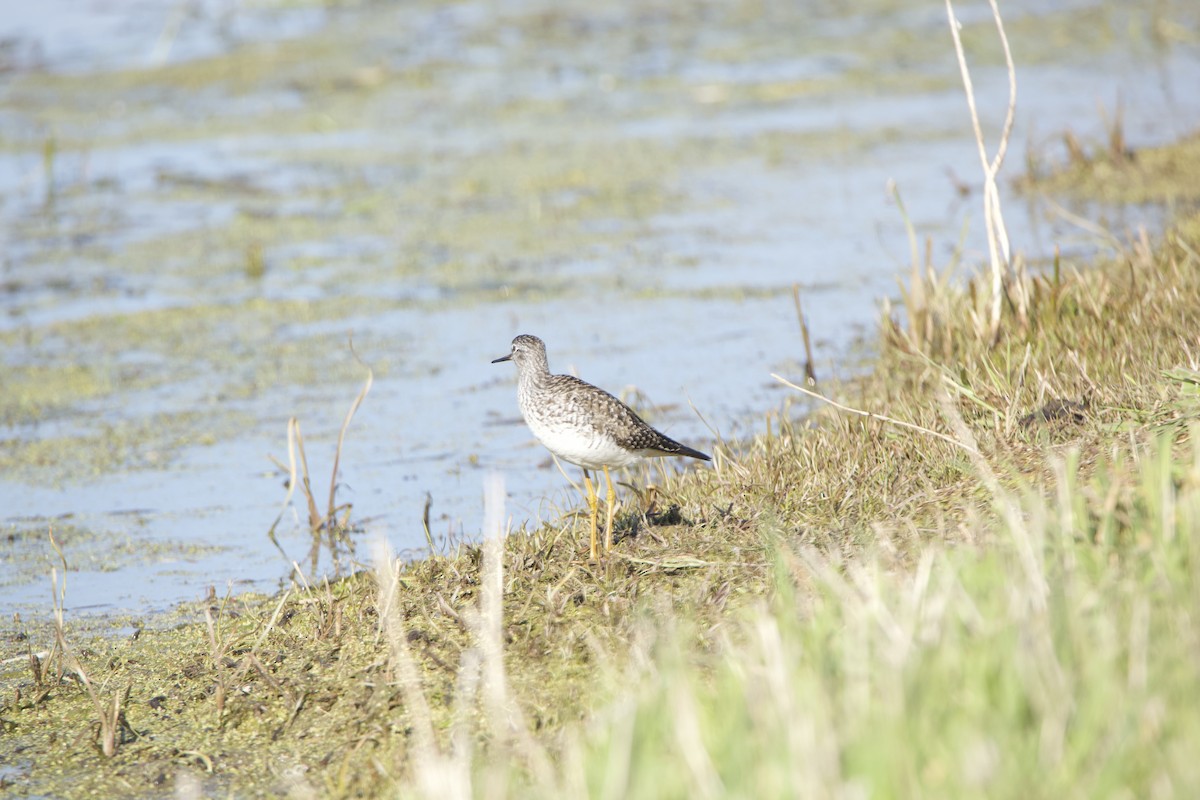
<point>189,337</point>
<point>28,555</point>
<point>232,351</point>
<point>35,391</point>
<point>150,442</point>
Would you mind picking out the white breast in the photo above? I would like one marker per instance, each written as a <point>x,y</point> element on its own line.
<point>580,447</point>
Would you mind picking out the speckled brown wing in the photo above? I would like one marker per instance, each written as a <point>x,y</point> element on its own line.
<point>610,417</point>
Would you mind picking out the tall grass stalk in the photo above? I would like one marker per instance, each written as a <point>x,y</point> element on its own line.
<point>999,255</point>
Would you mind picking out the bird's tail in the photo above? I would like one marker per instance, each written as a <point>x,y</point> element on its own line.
<point>670,447</point>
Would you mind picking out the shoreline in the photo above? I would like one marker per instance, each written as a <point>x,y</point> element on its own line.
<point>807,525</point>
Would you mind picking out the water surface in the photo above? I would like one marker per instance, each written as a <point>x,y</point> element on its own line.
<point>201,203</point>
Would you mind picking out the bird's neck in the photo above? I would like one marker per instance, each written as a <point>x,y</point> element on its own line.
<point>534,376</point>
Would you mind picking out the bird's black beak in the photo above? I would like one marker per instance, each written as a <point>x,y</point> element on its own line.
<point>503,358</point>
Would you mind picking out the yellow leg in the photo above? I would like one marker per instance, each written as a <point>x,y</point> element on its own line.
<point>610,503</point>
<point>591,501</point>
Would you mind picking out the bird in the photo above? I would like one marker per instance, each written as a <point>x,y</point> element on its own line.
<point>584,425</point>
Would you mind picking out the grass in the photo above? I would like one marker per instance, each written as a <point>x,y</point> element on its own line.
<point>1109,171</point>
<point>1049,658</point>
<point>841,606</point>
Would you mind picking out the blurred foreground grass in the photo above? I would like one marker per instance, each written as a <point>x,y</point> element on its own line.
<point>1053,655</point>
<point>839,608</point>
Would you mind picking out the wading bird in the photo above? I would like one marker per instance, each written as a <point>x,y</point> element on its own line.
<point>583,424</point>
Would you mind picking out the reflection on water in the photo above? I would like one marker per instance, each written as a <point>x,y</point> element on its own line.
<point>202,202</point>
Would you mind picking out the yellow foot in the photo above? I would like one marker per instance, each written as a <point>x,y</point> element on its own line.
<point>592,502</point>
<point>610,506</point>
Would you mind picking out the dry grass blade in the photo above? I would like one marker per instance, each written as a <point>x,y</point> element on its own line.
<point>337,455</point>
<point>266,631</point>
<point>916,297</point>
<point>431,772</point>
<point>809,372</point>
<point>873,415</point>
<point>110,717</point>
<point>314,516</point>
<point>505,716</point>
<point>216,654</point>
<point>298,473</point>
<point>684,561</point>
<point>705,781</point>
<point>720,451</point>
<point>558,465</point>
<point>58,597</point>
<point>491,604</point>
<point>293,428</point>
<point>425,523</point>
<point>29,655</point>
<point>1004,502</point>
<point>1101,233</point>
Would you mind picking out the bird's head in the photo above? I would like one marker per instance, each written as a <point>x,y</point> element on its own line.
<point>526,349</point>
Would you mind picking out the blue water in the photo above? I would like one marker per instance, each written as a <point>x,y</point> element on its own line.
<point>697,310</point>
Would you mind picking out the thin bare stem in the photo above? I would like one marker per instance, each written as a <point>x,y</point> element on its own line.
<point>292,428</point>
<point>337,455</point>
<point>425,523</point>
<point>314,516</point>
<point>918,303</point>
<point>809,372</point>
<point>999,254</point>
<point>872,415</point>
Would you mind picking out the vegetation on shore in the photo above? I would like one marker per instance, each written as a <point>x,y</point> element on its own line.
<point>840,606</point>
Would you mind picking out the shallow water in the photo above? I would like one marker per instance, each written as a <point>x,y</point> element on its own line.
<point>199,206</point>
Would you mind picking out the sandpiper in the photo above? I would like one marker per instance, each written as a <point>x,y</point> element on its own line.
<point>584,424</point>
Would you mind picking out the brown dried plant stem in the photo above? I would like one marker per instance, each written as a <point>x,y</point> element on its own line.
<point>298,474</point>
<point>809,372</point>
<point>110,716</point>
<point>337,456</point>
